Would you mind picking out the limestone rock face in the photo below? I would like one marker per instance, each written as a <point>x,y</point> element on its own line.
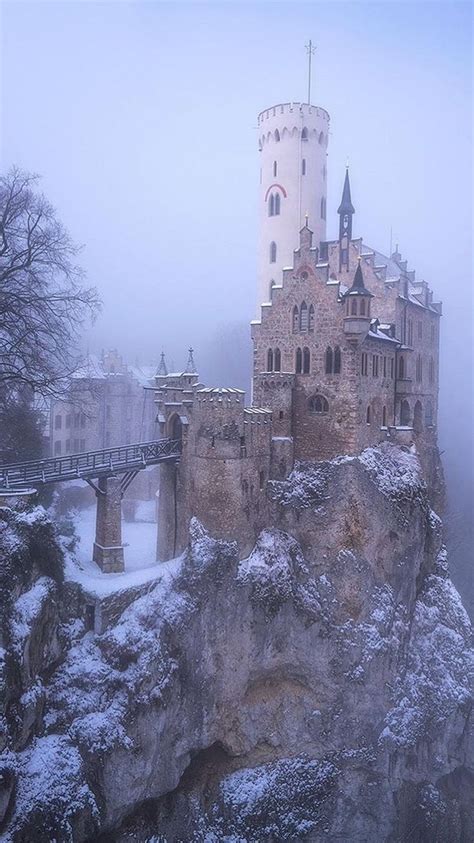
<point>318,690</point>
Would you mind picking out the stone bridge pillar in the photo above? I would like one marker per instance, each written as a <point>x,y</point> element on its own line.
<point>108,547</point>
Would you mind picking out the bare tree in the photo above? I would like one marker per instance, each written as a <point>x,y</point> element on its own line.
<point>43,302</point>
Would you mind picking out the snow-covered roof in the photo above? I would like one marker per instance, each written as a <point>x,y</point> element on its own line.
<point>220,390</point>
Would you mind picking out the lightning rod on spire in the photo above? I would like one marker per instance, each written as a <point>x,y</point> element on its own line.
<point>310,51</point>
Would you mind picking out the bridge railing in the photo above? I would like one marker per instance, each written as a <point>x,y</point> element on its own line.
<point>91,464</point>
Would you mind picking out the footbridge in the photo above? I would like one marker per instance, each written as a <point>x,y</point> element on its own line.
<point>109,472</point>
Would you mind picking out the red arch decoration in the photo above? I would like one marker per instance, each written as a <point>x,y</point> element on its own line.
<point>279,186</point>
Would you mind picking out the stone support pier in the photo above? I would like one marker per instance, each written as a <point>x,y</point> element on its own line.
<point>108,547</point>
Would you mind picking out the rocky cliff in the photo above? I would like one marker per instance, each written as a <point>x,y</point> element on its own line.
<point>320,689</point>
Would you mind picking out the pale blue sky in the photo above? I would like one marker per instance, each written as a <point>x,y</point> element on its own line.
<point>141,118</point>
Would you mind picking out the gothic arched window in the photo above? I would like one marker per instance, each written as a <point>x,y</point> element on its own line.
<point>404,413</point>
<point>295,319</point>
<point>277,360</point>
<point>304,317</point>
<point>311,318</point>
<point>337,360</point>
<point>269,360</point>
<point>321,137</point>
<point>329,360</point>
<point>306,361</point>
<point>299,361</point>
<point>277,204</point>
<point>273,252</point>
<point>362,307</point>
<point>277,135</point>
<point>304,134</point>
<point>318,404</point>
<point>354,307</point>
<point>271,205</point>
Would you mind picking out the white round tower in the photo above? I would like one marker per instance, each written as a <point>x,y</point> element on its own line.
<point>293,139</point>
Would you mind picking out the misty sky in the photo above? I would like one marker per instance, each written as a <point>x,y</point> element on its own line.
<point>141,118</point>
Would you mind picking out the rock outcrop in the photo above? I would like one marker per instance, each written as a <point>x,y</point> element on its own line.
<point>320,689</point>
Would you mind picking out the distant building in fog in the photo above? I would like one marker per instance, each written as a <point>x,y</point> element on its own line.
<point>108,406</point>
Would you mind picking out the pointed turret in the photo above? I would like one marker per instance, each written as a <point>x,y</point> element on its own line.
<point>357,298</point>
<point>358,285</point>
<point>190,365</point>
<point>162,368</point>
<point>346,211</point>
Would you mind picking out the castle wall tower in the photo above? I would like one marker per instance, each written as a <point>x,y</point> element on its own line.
<point>293,139</point>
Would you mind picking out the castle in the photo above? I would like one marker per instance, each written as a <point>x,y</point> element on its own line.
<point>346,349</point>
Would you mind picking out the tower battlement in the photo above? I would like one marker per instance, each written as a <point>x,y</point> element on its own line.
<point>294,109</point>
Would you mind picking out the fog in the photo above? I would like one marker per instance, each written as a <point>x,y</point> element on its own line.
<point>141,119</point>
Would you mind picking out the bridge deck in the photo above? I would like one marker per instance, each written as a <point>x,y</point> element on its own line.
<point>91,465</point>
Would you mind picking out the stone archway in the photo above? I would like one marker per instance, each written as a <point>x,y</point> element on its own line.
<point>175,427</point>
<point>404,413</point>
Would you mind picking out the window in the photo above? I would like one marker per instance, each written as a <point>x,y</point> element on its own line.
<point>296,319</point>
<point>274,168</point>
<point>419,369</point>
<point>280,415</point>
<point>273,252</point>
<point>304,317</point>
<point>299,361</point>
<point>271,205</point>
<point>410,332</point>
<point>420,330</point>
<point>303,167</point>
<point>337,360</point>
<point>418,417</point>
<point>277,135</point>
<point>277,360</point>
<point>318,404</point>
<point>321,138</point>
<point>364,363</point>
<point>375,365</point>
<point>304,134</point>
<point>58,422</point>
<point>306,361</point>
<point>261,480</point>
<point>329,360</point>
<point>429,414</point>
<point>362,307</point>
<point>385,367</point>
<point>431,372</point>
<point>367,415</point>
<point>392,367</point>
<point>323,208</point>
<point>311,318</point>
<point>57,448</point>
<point>269,360</point>
<point>404,413</point>
<point>401,368</point>
<point>277,204</point>
<point>384,417</point>
<point>353,307</point>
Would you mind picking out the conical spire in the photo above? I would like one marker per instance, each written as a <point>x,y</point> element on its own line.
<point>346,206</point>
<point>162,369</point>
<point>358,285</point>
<point>190,365</point>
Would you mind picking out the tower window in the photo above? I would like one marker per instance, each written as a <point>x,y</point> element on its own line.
<point>304,317</point>
<point>296,319</point>
<point>318,404</point>
<point>274,168</point>
<point>299,361</point>
<point>273,252</point>
<point>362,307</point>
<point>306,361</point>
<point>329,360</point>
<point>303,167</point>
<point>271,205</point>
<point>277,135</point>
<point>321,137</point>
<point>354,307</point>
<point>277,204</point>
<point>304,134</point>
